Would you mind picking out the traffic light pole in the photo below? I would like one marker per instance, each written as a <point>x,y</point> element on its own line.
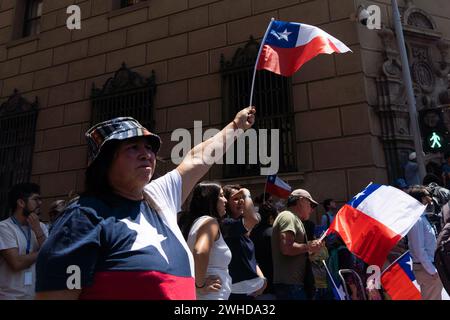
<point>414,124</point>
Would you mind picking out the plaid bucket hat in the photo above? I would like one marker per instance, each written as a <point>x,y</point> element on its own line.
<point>121,128</point>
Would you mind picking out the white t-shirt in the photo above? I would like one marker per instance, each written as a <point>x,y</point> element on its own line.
<point>219,259</point>
<point>12,283</point>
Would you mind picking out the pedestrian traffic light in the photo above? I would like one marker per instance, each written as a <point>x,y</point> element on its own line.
<point>435,136</point>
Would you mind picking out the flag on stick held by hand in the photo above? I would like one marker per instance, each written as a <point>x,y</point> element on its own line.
<point>289,45</point>
<point>399,281</point>
<point>375,220</point>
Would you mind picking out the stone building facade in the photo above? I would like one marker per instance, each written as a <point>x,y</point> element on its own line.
<point>349,111</point>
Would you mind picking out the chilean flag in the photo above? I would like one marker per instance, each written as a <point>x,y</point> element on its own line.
<point>375,220</point>
<point>289,45</point>
<point>399,281</point>
<point>278,187</point>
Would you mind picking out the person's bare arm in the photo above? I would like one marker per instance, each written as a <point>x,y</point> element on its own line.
<point>198,161</point>
<point>16,261</point>
<point>58,295</point>
<point>35,225</point>
<point>289,247</point>
<point>206,236</point>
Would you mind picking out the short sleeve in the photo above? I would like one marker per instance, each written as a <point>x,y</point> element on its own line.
<point>286,222</point>
<point>233,228</point>
<point>8,238</point>
<point>167,190</point>
<point>74,241</point>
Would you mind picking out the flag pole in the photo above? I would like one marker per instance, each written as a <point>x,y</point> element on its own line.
<point>257,59</point>
<point>264,194</point>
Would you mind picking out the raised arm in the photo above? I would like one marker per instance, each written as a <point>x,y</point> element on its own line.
<point>198,161</point>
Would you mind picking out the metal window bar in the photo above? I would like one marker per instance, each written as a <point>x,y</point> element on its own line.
<point>361,288</point>
<point>17,134</point>
<point>274,105</point>
<point>32,19</point>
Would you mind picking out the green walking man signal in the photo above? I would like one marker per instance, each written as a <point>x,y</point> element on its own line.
<point>435,141</point>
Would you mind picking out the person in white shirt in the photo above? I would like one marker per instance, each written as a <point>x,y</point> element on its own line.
<point>21,237</point>
<point>422,245</point>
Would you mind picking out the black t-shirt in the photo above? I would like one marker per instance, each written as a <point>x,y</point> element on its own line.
<point>243,262</point>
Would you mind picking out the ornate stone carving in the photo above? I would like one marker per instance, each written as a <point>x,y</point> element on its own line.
<point>124,79</point>
<point>17,104</point>
<point>430,82</point>
<point>243,57</point>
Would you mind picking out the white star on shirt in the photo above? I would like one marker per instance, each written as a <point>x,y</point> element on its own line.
<point>147,235</point>
<point>410,263</point>
<point>284,35</point>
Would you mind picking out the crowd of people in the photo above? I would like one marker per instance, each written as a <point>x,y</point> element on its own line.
<point>126,238</point>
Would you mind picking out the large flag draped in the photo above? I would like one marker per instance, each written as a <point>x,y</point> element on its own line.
<point>399,281</point>
<point>288,45</point>
<point>375,220</point>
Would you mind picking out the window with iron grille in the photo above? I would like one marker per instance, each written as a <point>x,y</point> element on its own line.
<point>32,20</point>
<point>17,132</point>
<point>128,3</point>
<point>272,99</point>
<point>127,94</point>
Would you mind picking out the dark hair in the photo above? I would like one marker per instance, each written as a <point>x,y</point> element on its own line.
<point>326,204</point>
<point>267,210</point>
<point>21,191</point>
<point>429,178</point>
<point>97,182</point>
<point>263,196</point>
<point>227,191</point>
<point>204,202</point>
<point>418,192</point>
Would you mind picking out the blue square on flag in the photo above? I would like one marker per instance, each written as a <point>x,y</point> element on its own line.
<point>283,34</point>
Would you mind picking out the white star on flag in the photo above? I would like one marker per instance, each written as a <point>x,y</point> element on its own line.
<point>284,35</point>
<point>147,235</point>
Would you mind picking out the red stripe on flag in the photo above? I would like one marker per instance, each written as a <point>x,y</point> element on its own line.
<point>139,285</point>
<point>285,61</point>
<point>364,236</point>
<point>277,191</point>
<point>398,285</point>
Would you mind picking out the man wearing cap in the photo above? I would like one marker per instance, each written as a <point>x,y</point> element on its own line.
<point>290,247</point>
<point>120,239</point>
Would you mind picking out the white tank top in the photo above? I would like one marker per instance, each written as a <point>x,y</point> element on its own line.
<point>219,259</point>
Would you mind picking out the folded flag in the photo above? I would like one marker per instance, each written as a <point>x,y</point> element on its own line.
<point>399,281</point>
<point>288,45</point>
<point>278,187</point>
<point>375,220</point>
<point>336,285</point>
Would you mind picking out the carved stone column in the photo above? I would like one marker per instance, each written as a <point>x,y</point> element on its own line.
<point>429,69</point>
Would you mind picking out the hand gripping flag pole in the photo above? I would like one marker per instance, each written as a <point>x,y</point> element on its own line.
<point>257,60</point>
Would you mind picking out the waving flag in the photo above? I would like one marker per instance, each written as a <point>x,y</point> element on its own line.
<point>375,220</point>
<point>336,285</point>
<point>399,281</point>
<point>288,45</point>
<point>278,187</point>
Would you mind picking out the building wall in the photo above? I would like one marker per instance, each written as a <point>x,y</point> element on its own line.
<point>338,148</point>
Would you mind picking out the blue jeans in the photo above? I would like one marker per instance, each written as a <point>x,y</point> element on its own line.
<point>289,292</point>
